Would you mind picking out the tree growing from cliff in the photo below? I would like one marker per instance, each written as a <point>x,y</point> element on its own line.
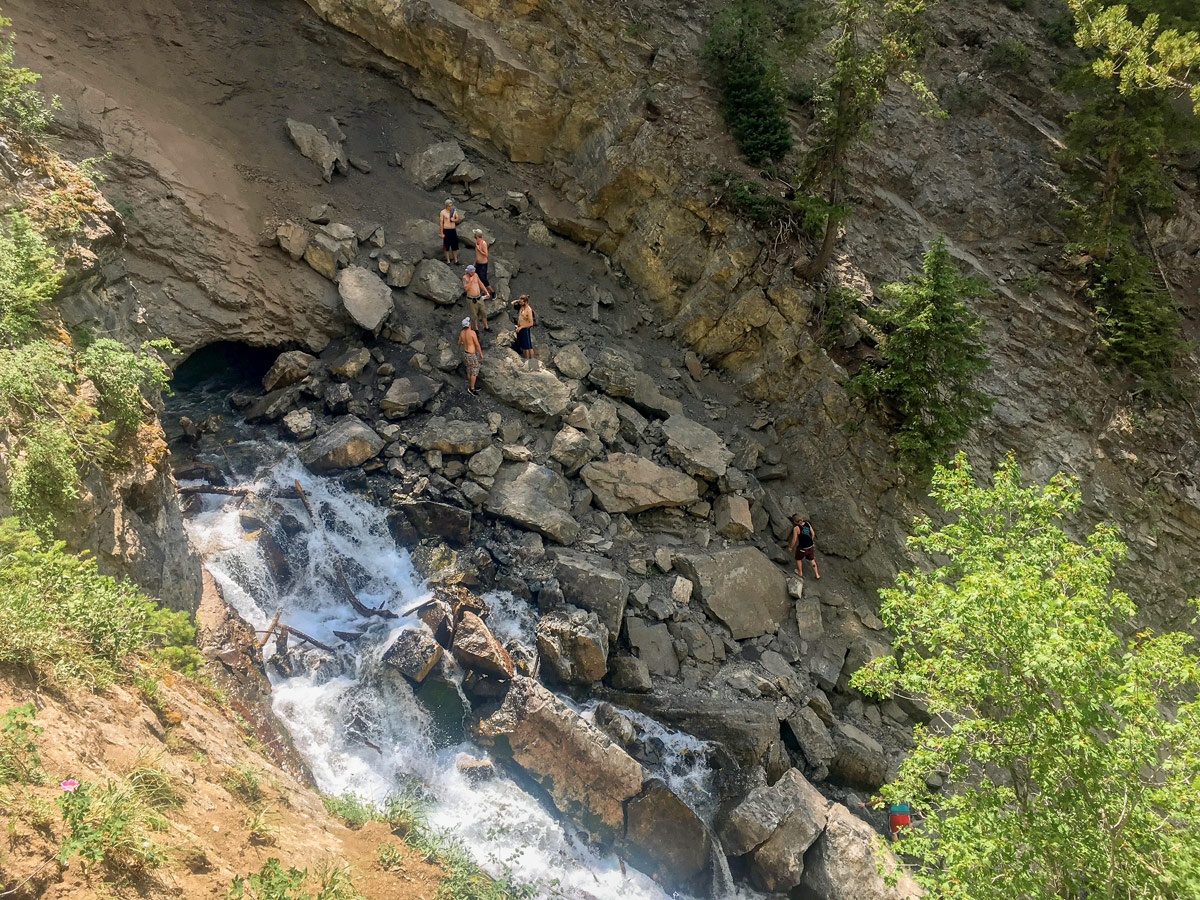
<point>1070,754</point>
<point>930,359</point>
<point>740,51</point>
<point>874,41</point>
<point>21,107</point>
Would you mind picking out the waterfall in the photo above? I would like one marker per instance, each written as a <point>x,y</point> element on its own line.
<point>336,706</point>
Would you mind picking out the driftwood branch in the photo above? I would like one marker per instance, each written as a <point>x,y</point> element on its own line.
<point>305,637</point>
<point>359,607</point>
<point>304,499</point>
<point>270,628</point>
<point>236,491</point>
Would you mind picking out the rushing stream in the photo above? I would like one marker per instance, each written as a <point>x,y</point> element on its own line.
<point>337,708</point>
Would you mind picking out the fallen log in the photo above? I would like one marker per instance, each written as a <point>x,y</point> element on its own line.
<point>238,490</point>
<point>308,638</point>
<point>271,627</point>
<point>359,607</point>
<point>304,499</point>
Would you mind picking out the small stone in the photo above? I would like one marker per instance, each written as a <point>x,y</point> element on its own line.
<point>628,673</point>
<point>681,591</point>
<point>301,424</point>
<point>486,462</point>
<point>663,559</point>
<point>350,364</point>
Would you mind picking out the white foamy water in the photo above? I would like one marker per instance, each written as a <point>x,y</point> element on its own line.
<point>334,705</point>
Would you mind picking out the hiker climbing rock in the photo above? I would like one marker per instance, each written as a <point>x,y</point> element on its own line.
<point>481,259</point>
<point>804,544</point>
<point>472,353</point>
<point>524,341</point>
<point>448,221</point>
<point>476,291</point>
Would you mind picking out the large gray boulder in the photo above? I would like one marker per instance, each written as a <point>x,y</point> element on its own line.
<point>573,644</point>
<point>347,442</point>
<point>590,582</point>
<point>667,840</point>
<point>845,863</point>
<point>539,391</point>
<point>408,394</point>
<point>573,448</point>
<point>315,145</point>
<point>536,498</point>
<point>695,448</point>
<point>436,281</point>
<point>858,759</point>
<point>615,373</point>
<point>732,517</point>
<point>653,645</point>
<point>585,773</point>
<point>572,361</point>
<point>414,653</point>
<point>454,436</point>
<point>288,368</point>
<point>813,737</point>
<point>367,300</point>
<point>429,167</point>
<point>740,588</point>
<point>628,483</point>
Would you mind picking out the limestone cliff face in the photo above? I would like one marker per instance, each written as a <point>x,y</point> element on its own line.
<point>613,102</point>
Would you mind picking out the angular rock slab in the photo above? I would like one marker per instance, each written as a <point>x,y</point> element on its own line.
<point>535,498</point>
<point>367,300</point>
<point>590,582</point>
<point>752,822</point>
<point>615,373</point>
<point>454,436</point>
<point>346,443</point>
<point>429,167</point>
<point>476,648</point>
<point>509,379</point>
<point>314,145</point>
<point>436,281</point>
<point>843,863</point>
<point>414,654</point>
<point>585,773</point>
<point>573,644</point>
<point>695,448</point>
<point>741,588</point>
<point>408,394</point>
<point>628,483</point>
<point>667,840</point>
<point>288,368</point>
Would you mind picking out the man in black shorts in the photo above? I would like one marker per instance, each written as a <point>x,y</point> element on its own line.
<point>448,221</point>
<point>804,543</point>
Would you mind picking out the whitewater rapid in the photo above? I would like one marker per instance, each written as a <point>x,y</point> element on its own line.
<point>334,706</point>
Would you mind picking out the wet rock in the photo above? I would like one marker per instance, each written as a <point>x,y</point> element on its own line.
<point>439,519</point>
<point>844,863</point>
<point>454,436</point>
<point>366,299</point>
<point>572,361</point>
<point>434,280</point>
<point>813,738</point>
<point>653,646</point>
<point>668,841</point>
<point>476,648</point>
<point>740,588</point>
<point>408,394</point>
<point>573,644</point>
<point>695,448</point>
<point>628,673</point>
<point>731,514</point>
<point>293,239</point>
<point>345,443</point>
<point>273,406</point>
<point>300,424</point>
<point>438,617</point>
<point>337,398</point>
<point>313,144</point>
<point>585,773</point>
<point>288,368</point>
<point>414,654</point>
<point>539,391</point>
<point>536,498</point>
<point>590,582</point>
<point>350,364</point>
<point>858,759</point>
<point>628,483</point>
<point>572,448</point>
<point>475,770</point>
<point>429,167</point>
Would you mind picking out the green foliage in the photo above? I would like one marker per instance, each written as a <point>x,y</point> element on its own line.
<point>739,51</point>
<point>335,881</point>
<point>21,107</point>
<point>407,808</point>
<point>174,638</point>
<point>28,278</point>
<point>272,882</point>
<point>464,880</point>
<point>19,759</point>
<point>243,782</point>
<point>110,824</point>
<point>1071,763</point>
<point>831,311</point>
<point>260,823</point>
<point>391,857</point>
<point>121,375</point>
<point>61,618</point>
<point>351,809</point>
<point>153,784</point>
<point>931,358</point>
<point>1010,55</point>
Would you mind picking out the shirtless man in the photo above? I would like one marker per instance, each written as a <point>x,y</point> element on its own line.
<point>472,354</point>
<point>448,221</point>
<point>481,258</point>
<point>474,287</point>
<point>524,342</point>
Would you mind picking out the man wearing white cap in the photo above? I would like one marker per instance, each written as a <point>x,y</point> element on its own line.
<point>474,288</point>
<point>472,353</point>
<point>448,221</point>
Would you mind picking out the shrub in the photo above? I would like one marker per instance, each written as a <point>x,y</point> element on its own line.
<point>272,882</point>
<point>19,760</point>
<point>1010,55</point>
<point>121,374</point>
<point>407,808</point>
<point>750,81</point>
<point>929,360</point>
<point>1139,324</point>
<point>153,783</point>
<point>352,810</point>
<point>59,617</point>
<point>260,823</point>
<point>111,825</point>
<point>242,781</point>
<point>28,278</point>
<point>21,107</point>
<point>335,881</point>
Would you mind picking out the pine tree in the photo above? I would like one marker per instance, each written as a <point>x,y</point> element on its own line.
<point>930,359</point>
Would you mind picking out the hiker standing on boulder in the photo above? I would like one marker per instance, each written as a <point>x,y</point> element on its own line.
<point>474,288</point>
<point>472,354</point>
<point>524,341</point>
<point>448,221</point>
<point>804,543</point>
<point>481,259</point>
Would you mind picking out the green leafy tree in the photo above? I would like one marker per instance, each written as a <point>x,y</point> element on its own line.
<point>740,51</point>
<point>930,359</point>
<point>1070,754</point>
<point>21,107</point>
<point>874,41</point>
<point>121,375</point>
<point>28,277</point>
